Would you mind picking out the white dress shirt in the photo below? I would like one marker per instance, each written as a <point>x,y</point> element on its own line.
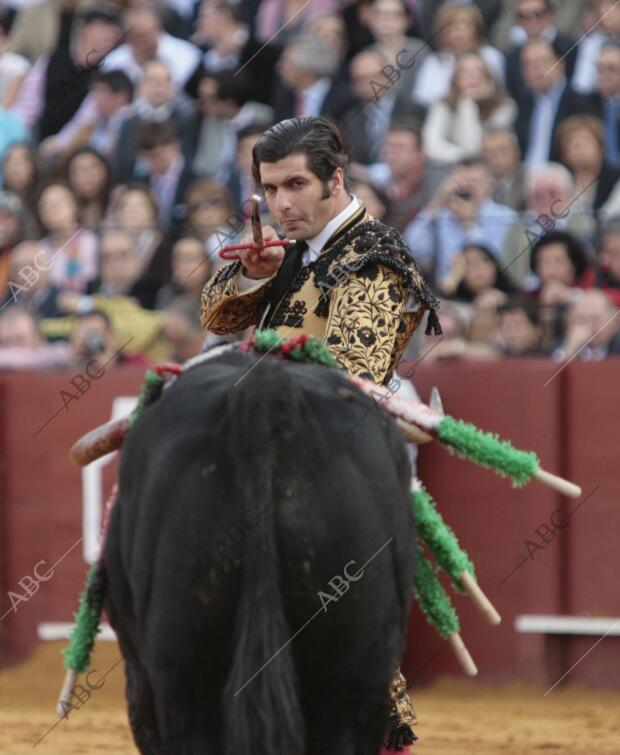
<point>541,130</point>
<point>316,243</point>
<point>182,58</point>
<point>313,97</point>
<point>588,50</point>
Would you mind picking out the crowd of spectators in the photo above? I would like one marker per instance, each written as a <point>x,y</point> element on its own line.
<point>487,133</point>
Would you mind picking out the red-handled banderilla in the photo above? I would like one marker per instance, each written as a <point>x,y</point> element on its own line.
<point>231,251</point>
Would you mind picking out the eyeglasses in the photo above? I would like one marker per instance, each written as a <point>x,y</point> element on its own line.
<point>535,15</point>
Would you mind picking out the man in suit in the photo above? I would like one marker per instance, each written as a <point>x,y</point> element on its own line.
<point>413,181</point>
<point>224,107</point>
<point>501,152</point>
<point>606,100</point>
<point>157,102</point>
<point>592,331</point>
<point>308,85</point>
<point>536,21</point>
<point>606,29</point>
<point>547,100</point>
<point>367,122</point>
<point>223,33</point>
<point>147,39</point>
<point>158,144</point>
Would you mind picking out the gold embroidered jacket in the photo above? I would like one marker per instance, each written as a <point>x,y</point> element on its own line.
<point>353,296</point>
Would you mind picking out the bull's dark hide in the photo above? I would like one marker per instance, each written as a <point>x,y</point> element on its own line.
<point>243,493</point>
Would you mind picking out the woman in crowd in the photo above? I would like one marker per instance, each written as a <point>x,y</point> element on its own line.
<point>581,144</point>
<point>90,178</point>
<point>479,281</point>
<point>190,271</point>
<point>20,175</point>
<point>458,30</point>
<point>211,217</point>
<point>476,272</point>
<point>560,263</point>
<point>134,208</point>
<point>455,126</point>
<point>73,247</point>
<point>389,22</point>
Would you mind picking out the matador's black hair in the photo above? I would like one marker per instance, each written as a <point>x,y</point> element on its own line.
<point>317,138</point>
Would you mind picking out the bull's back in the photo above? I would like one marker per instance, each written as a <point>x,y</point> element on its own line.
<point>286,492</point>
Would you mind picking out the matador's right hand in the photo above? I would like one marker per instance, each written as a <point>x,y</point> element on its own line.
<point>265,262</point>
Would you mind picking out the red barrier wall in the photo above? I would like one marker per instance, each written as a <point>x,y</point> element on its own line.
<point>491,518</point>
<point>41,495</point>
<point>570,421</point>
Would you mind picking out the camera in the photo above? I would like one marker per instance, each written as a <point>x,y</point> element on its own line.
<point>464,194</point>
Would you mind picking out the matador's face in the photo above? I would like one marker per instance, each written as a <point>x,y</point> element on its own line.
<point>296,196</point>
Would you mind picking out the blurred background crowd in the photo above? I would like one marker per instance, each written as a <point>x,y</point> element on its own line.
<point>487,133</point>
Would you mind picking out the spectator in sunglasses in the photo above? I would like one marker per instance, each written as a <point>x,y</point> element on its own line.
<point>536,19</point>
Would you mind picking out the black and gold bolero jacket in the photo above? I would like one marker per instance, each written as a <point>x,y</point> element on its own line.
<point>354,296</point>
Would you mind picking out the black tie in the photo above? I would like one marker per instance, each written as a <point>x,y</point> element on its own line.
<point>288,271</point>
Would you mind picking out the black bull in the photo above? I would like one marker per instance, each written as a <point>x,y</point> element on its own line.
<point>269,454</point>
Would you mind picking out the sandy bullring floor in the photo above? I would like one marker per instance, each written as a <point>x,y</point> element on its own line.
<point>456,717</point>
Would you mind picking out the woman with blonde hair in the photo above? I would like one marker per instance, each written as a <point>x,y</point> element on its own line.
<point>455,125</point>
<point>458,29</point>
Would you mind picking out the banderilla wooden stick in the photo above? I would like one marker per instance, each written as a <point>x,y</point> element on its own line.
<point>462,653</point>
<point>558,483</point>
<point>65,693</point>
<point>480,599</point>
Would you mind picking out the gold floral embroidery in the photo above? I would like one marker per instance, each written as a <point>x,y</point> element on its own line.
<point>362,280</point>
<point>364,319</point>
<point>223,309</point>
<point>291,310</point>
<point>400,702</point>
